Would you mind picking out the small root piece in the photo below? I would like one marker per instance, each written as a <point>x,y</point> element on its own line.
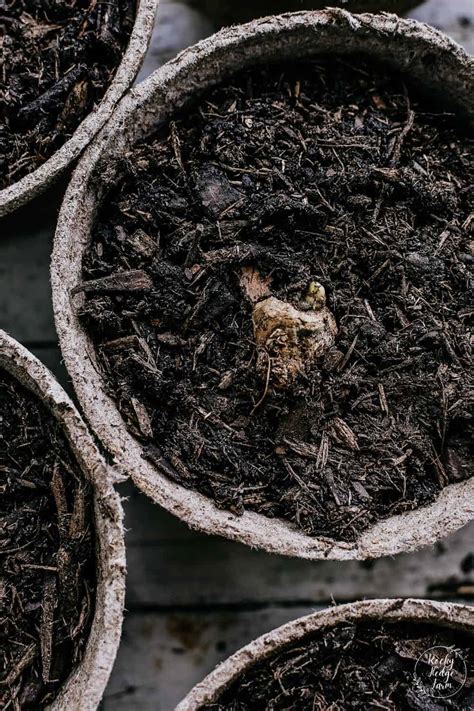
<point>267,384</point>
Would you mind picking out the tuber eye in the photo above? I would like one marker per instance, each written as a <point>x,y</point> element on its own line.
<point>316,296</point>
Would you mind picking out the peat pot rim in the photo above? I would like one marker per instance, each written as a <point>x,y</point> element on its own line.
<point>85,686</point>
<point>33,184</point>
<point>444,614</point>
<point>408,44</point>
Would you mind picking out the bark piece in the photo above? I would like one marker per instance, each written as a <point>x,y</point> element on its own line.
<point>133,281</point>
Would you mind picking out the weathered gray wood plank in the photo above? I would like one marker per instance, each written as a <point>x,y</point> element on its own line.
<point>170,565</point>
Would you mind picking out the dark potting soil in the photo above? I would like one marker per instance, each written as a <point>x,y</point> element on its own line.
<point>46,551</point>
<point>360,667</point>
<point>58,59</point>
<point>281,182</point>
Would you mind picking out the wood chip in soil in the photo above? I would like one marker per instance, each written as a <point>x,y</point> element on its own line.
<point>47,552</point>
<point>330,203</point>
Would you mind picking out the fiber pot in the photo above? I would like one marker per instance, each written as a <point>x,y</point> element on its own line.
<point>36,182</point>
<point>228,13</point>
<point>430,59</point>
<point>439,614</point>
<point>84,688</point>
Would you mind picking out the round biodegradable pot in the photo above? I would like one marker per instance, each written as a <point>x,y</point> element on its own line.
<point>430,59</point>
<point>84,687</point>
<point>36,182</point>
<point>222,13</point>
<point>439,614</point>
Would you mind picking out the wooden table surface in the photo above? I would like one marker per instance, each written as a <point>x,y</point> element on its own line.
<point>194,599</point>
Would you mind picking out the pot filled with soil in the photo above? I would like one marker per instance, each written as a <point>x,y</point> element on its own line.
<point>64,67</point>
<point>224,13</point>
<point>62,547</point>
<point>384,654</point>
<point>260,282</point>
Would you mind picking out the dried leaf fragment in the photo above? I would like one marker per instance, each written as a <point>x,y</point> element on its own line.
<point>255,286</point>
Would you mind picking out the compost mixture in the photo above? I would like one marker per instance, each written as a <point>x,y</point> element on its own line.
<point>58,59</point>
<point>47,578</point>
<point>278,289</point>
<point>360,667</point>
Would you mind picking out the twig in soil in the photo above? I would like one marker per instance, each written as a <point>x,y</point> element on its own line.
<point>397,146</point>
<point>303,449</point>
<point>175,142</point>
<point>383,399</point>
<point>47,621</point>
<point>134,280</point>
<point>25,660</point>
<point>346,358</point>
<point>323,452</point>
<point>267,383</point>
<point>299,480</point>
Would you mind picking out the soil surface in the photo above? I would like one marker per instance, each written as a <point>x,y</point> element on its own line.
<point>278,291</point>
<point>58,58</point>
<point>47,553</point>
<point>360,667</point>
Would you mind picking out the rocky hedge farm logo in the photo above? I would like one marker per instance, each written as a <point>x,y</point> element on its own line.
<point>440,672</point>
